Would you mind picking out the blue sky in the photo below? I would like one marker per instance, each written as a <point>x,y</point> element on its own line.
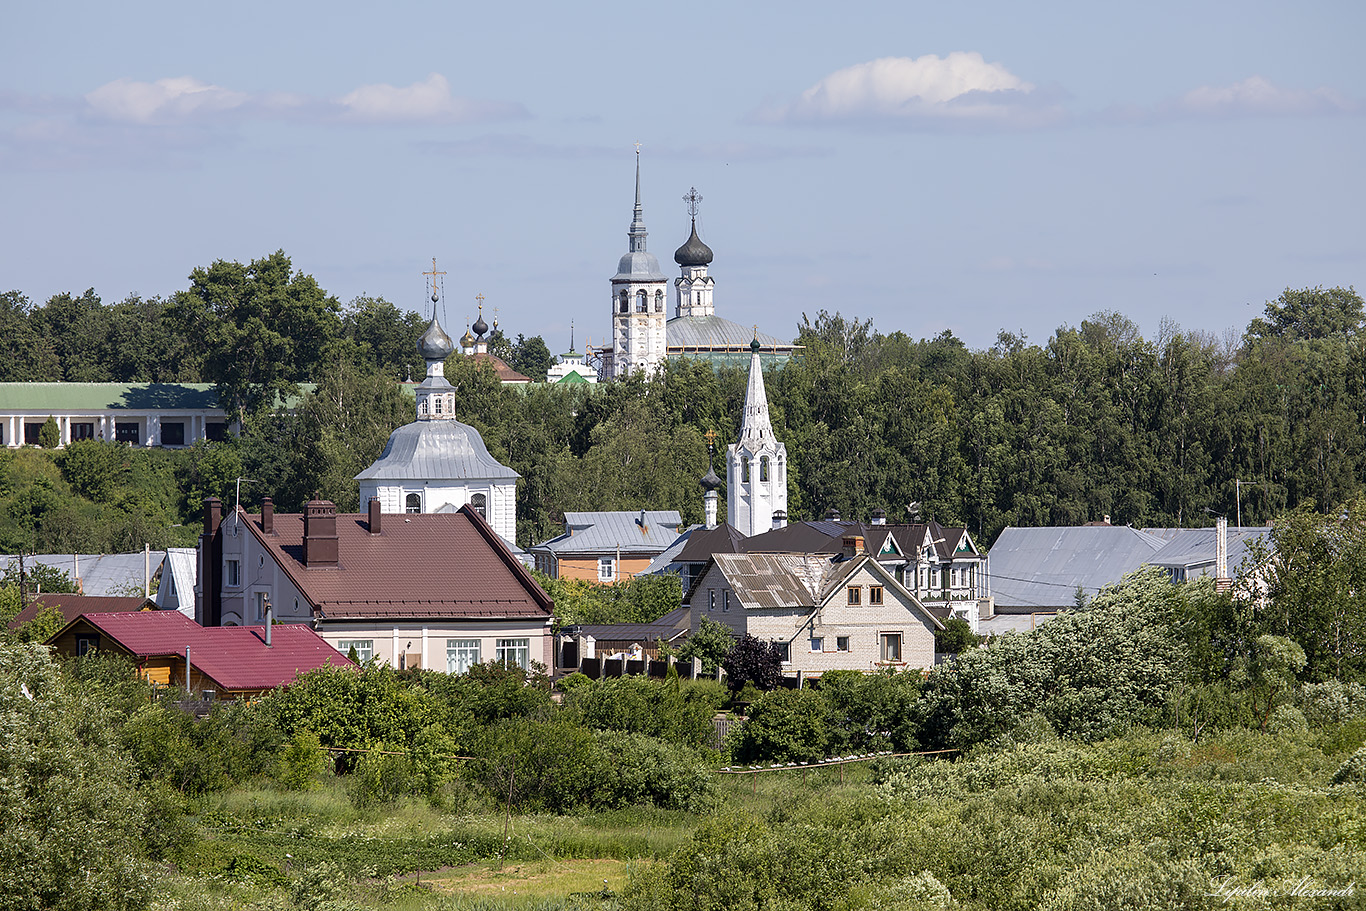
<point>971,167</point>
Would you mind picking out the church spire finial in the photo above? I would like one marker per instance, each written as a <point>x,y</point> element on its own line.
<point>637,234</point>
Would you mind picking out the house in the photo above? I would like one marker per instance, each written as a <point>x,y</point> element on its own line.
<point>843,611</point>
<point>229,661</point>
<point>1190,553</point>
<point>119,575</point>
<point>73,606</point>
<point>607,546</point>
<point>635,641</point>
<point>431,590</point>
<point>176,588</point>
<point>139,414</point>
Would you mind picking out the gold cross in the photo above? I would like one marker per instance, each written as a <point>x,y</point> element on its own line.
<point>433,273</point>
<point>637,148</point>
<point>480,298</point>
<point>711,436</point>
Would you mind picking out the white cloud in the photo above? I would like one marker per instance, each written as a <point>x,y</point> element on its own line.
<point>961,88</point>
<point>1256,95</point>
<point>175,98</point>
<point>427,101</point>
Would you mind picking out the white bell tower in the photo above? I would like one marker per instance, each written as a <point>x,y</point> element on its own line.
<point>756,464</point>
<point>638,311</point>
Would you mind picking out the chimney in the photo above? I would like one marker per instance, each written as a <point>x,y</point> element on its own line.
<point>267,516</point>
<point>853,545</point>
<point>1221,549</point>
<point>213,515</point>
<point>779,520</point>
<point>374,516</point>
<point>879,517</point>
<point>320,534</point>
<point>270,619</point>
<point>1105,518</point>
<point>644,528</point>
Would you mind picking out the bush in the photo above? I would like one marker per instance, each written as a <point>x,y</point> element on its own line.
<point>49,435</point>
<point>787,725</point>
<point>380,778</point>
<point>302,762</point>
<point>663,709</point>
<point>642,770</point>
<point>1332,702</point>
<point>753,661</point>
<point>870,712</point>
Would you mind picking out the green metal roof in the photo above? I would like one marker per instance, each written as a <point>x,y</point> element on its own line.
<point>67,397</point>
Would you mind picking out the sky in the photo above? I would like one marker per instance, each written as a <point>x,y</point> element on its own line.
<point>928,166</point>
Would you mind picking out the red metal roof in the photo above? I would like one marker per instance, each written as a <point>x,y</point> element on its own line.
<point>420,565</point>
<point>234,657</point>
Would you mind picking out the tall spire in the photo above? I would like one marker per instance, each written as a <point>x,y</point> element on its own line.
<point>755,426</point>
<point>637,234</point>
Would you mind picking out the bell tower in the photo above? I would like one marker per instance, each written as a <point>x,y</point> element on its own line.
<point>638,311</point>
<point>756,464</point>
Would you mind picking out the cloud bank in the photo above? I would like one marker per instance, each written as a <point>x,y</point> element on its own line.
<point>961,89</point>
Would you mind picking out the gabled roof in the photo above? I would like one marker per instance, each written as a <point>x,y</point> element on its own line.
<point>73,606</point>
<point>703,542</point>
<point>234,657</point>
<point>826,535</point>
<point>668,627</point>
<point>505,373</point>
<point>1033,568</point>
<point>420,565</point>
<point>669,555</point>
<point>629,532</point>
<point>179,572</point>
<point>1189,548</point>
<point>100,574</point>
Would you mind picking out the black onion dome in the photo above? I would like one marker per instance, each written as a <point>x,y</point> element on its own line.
<point>694,252</point>
<point>710,481</point>
<point>480,327</point>
<point>435,344</point>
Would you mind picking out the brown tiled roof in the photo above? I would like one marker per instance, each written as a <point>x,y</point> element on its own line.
<point>420,565</point>
<point>73,606</point>
<point>505,373</point>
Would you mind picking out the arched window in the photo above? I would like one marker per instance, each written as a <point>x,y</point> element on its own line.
<point>413,503</point>
<point>659,301</point>
<point>744,471</point>
<point>625,307</point>
<point>480,504</point>
<point>642,302</point>
<point>763,468</point>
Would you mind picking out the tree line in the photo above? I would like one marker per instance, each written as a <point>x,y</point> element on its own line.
<point>1096,421</point>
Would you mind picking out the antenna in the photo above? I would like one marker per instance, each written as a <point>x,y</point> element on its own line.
<point>237,505</point>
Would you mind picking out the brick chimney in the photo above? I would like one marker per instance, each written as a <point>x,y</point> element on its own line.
<point>267,516</point>
<point>210,610</point>
<point>213,515</point>
<point>374,516</point>
<point>853,545</point>
<point>320,534</point>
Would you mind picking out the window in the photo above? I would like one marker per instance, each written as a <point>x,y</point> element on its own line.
<point>461,655</point>
<point>509,652</point>
<point>31,432</point>
<point>233,575</point>
<point>744,470</point>
<point>436,405</point>
<point>84,430</point>
<point>422,407</point>
<point>127,432</point>
<point>841,643</point>
<point>817,643</point>
<point>364,648</point>
<point>216,432</point>
<point>711,599</point>
<point>875,594</point>
<point>642,302</point>
<point>784,650</point>
<point>172,433</point>
<point>659,301</point>
<point>891,647</point>
<point>725,601</point>
<point>259,602</point>
<point>413,503</point>
<point>855,594</point>
<point>87,644</point>
<point>607,569</point>
<point>480,504</point>
<point>763,468</point>
<point>625,308</point>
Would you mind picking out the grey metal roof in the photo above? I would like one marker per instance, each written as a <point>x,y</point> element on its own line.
<point>661,563</point>
<point>773,580</point>
<point>101,575</point>
<point>178,575</point>
<point>639,267</point>
<point>1041,568</point>
<point>668,627</point>
<point>708,332</point>
<point>613,532</point>
<point>1190,548</point>
<point>439,450</point>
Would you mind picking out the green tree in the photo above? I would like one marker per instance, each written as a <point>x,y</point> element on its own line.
<point>1310,313</point>
<point>72,833</point>
<point>265,328</point>
<point>531,357</point>
<point>94,468</point>
<point>49,436</point>
<point>711,642</point>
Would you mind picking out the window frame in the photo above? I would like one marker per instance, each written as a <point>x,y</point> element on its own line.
<point>607,569</point>
<point>842,644</point>
<point>875,595</point>
<point>886,639</point>
<point>817,644</point>
<point>855,595</point>
<point>365,648</point>
<point>458,649</point>
<point>504,648</point>
<point>232,573</point>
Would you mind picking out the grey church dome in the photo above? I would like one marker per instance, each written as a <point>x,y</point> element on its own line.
<point>639,266</point>
<point>694,252</point>
<point>437,450</point>
<point>435,344</point>
<point>710,481</point>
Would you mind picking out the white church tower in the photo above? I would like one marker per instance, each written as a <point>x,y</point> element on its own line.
<point>436,463</point>
<point>756,464</point>
<point>638,291</point>
<point>692,289</point>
